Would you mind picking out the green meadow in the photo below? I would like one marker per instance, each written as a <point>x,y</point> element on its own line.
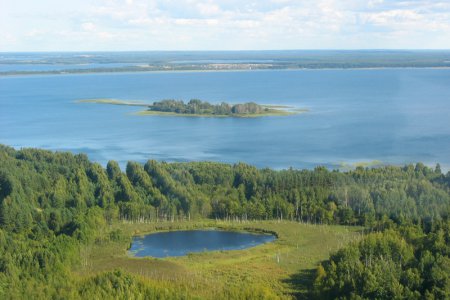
<point>284,268</point>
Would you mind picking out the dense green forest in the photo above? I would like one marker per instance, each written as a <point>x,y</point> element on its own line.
<point>51,204</point>
<point>404,262</point>
<point>198,107</point>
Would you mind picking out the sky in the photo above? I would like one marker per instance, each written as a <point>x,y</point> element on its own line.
<point>121,25</point>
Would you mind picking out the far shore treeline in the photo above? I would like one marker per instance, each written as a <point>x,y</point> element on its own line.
<point>56,206</point>
<point>198,107</point>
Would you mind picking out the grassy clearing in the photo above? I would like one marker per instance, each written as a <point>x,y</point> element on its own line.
<point>113,102</point>
<point>282,268</point>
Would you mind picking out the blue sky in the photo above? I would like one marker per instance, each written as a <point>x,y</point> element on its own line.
<point>83,25</point>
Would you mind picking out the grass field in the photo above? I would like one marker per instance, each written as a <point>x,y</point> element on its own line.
<point>281,269</point>
<point>114,102</point>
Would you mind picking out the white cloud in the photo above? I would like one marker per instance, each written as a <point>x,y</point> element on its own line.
<point>208,9</point>
<point>35,33</point>
<point>7,40</point>
<point>230,24</point>
<point>374,3</point>
<point>88,26</point>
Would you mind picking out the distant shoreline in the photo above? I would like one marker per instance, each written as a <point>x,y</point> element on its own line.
<point>89,72</point>
<point>107,62</point>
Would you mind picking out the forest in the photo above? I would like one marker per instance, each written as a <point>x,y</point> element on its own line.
<point>198,107</point>
<point>53,204</point>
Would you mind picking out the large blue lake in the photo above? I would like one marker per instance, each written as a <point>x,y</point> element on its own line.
<point>395,116</point>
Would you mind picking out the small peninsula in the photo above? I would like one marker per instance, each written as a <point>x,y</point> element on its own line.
<point>199,108</point>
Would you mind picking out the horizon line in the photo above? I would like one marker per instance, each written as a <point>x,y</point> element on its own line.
<point>240,50</point>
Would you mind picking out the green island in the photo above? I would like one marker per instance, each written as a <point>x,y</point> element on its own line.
<point>199,108</point>
<point>66,225</point>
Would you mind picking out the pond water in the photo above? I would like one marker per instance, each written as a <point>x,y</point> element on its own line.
<point>179,243</point>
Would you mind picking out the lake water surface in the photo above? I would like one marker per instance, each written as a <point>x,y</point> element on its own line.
<point>179,243</point>
<point>395,116</point>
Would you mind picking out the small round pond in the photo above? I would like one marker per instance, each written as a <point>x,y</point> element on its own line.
<point>179,243</point>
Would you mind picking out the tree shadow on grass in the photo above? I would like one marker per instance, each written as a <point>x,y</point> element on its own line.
<point>301,283</point>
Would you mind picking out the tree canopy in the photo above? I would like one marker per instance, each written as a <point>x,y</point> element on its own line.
<point>52,204</point>
<point>198,107</point>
